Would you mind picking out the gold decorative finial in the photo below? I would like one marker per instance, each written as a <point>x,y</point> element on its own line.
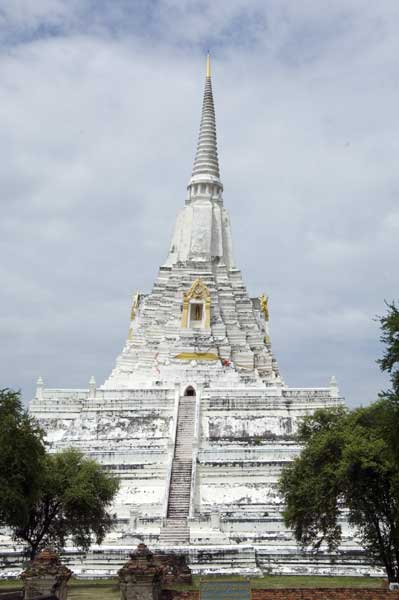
<point>264,307</point>
<point>208,65</point>
<point>135,305</point>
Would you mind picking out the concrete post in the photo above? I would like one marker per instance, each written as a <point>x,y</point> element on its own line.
<point>215,520</point>
<point>39,388</point>
<point>46,575</point>
<point>334,392</point>
<point>132,521</point>
<point>92,387</point>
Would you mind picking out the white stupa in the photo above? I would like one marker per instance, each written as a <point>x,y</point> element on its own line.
<point>195,418</point>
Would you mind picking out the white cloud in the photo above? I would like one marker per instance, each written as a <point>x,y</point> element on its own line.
<point>99,111</point>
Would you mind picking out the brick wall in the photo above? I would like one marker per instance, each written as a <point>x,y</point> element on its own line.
<point>325,594</point>
<point>303,594</point>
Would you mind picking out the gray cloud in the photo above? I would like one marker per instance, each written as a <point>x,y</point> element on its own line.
<point>99,113</point>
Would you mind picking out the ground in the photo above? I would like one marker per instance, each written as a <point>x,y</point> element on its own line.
<point>82,589</point>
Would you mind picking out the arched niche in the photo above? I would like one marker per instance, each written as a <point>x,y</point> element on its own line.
<point>197,306</point>
<point>189,391</point>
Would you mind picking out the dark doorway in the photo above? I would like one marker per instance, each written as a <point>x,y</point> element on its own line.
<point>190,391</point>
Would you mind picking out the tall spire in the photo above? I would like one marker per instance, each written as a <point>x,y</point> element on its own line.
<point>202,233</point>
<point>206,163</point>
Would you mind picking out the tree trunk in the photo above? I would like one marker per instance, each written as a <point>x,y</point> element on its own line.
<point>32,551</point>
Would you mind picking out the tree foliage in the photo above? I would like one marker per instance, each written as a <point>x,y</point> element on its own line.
<point>310,484</point>
<point>46,498</point>
<point>349,462</point>
<point>21,458</point>
<point>390,337</point>
<point>75,495</point>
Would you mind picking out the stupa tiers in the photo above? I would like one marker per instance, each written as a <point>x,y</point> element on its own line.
<point>195,418</point>
<point>199,310</point>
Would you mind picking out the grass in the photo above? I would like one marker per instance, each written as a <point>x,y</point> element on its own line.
<point>78,589</point>
<point>107,589</point>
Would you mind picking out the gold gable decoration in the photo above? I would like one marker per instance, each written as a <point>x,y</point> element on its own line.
<point>198,291</point>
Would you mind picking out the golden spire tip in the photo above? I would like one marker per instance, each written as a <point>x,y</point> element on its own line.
<point>208,65</point>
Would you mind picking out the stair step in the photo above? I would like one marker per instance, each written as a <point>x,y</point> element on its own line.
<point>176,530</point>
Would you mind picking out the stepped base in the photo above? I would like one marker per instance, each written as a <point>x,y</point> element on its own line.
<point>174,532</point>
<point>104,561</point>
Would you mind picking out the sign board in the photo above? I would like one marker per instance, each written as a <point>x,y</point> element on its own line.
<point>225,590</point>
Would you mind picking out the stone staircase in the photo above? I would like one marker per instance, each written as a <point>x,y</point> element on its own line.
<point>174,532</point>
<point>175,529</point>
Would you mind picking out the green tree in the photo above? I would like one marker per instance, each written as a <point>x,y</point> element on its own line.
<point>21,458</point>
<point>349,460</point>
<point>390,337</point>
<point>75,495</point>
<point>46,498</point>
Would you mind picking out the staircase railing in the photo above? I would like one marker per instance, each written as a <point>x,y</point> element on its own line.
<point>171,452</point>
<point>197,428</point>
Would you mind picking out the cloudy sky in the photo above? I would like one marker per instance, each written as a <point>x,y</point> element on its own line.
<point>99,111</point>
